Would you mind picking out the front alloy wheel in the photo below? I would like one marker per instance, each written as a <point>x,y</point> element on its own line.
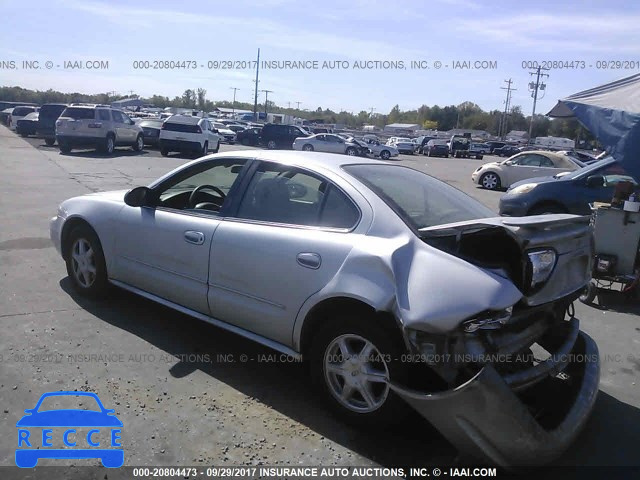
<point>85,262</point>
<point>385,155</point>
<point>356,373</point>
<point>490,181</point>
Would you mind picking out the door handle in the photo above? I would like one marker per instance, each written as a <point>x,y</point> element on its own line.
<point>197,238</point>
<point>309,260</point>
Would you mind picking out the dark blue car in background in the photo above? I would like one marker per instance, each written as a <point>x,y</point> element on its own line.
<point>566,192</point>
<point>37,439</point>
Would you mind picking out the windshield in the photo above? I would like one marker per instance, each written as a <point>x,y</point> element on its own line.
<point>586,171</point>
<point>419,199</point>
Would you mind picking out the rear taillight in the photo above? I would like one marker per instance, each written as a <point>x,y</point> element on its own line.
<point>95,125</point>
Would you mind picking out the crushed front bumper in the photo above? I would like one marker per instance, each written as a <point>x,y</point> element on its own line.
<point>487,418</point>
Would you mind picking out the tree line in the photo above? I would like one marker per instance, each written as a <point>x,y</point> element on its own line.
<point>467,115</point>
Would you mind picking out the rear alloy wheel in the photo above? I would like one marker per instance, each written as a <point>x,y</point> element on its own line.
<point>351,364</point>
<point>271,145</point>
<point>307,148</point>
<point>139,145</point>
<point>85,262</point>
<point>385,155</point>
<point>490,181</point>
<point>109,144</point>
<point>351,152</point>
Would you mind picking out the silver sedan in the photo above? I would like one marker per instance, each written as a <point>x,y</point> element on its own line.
<point>397,288</point>
<point>326,142</point>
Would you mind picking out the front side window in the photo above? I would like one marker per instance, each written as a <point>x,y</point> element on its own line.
<point>117,116</point>
<point>103,115</point>
<point>420,200</point>
<point>288,195</point>
<point>213,181</point>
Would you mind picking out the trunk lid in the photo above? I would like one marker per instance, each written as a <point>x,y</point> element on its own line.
<point>502,244</point>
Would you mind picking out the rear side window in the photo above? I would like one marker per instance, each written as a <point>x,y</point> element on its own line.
<point>79,113</point>
<point>182,127</point>
<point>104,115</point>
<point>282,194</point>
<point>51,111</point>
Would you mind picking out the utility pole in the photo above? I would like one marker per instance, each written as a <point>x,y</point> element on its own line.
<point>371,112</point>
<point>534,87</point>
<point>131,93</point>
<point>502,130</point>
<point>266,100</point>
<point>298,107</point>
<point>234,99</point>
<point>255,97</point>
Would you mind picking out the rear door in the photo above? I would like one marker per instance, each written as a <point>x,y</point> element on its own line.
<point>121,127</point>
<point>285,242</point>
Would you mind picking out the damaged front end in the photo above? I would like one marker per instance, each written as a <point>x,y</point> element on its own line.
<point>518,383</point>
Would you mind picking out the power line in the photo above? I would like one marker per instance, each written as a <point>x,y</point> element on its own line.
<point>534,87</point>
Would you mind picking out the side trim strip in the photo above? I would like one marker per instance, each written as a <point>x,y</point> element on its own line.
<point>218,323</point>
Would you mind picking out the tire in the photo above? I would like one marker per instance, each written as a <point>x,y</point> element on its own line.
<point>86,266</point>
<point>384,406</point>
<point>385,155</point>
<point>217,149</point>
<point>307,148</point>
<point>164,152</point>
<point>205,149</point>
<point>109,144</point>
<point>589,294</point>
<point>139,145</point>
<point>546,209</point>
<point>50,141</point>
<point>490,181</point>
<point>64,147</point>
<point>271,145</point>
<point>352,152</point>
<point>428,154</point>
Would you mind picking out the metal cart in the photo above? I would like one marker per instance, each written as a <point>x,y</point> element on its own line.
<point>617,240</point>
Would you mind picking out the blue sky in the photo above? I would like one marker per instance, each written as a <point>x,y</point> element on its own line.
<point>508,32</point>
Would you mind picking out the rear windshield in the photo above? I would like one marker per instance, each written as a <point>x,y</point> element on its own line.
<point>420,200</point>
<point>79,113</point>
<point>181,127</point>
<point>22,111</point>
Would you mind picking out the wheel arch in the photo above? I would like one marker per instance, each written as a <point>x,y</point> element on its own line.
<point>322,312</point>
<point>68,227</point>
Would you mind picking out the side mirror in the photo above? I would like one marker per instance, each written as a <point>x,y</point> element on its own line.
<point>138,197</point>
<point>296,190</point>
<point>595,181</point>
<point>215,130</point>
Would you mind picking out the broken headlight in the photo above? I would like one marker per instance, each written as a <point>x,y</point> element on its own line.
<point>539,266</point>
<point>490,320</point>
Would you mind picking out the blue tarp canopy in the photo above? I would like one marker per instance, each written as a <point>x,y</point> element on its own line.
<point>611,113</point>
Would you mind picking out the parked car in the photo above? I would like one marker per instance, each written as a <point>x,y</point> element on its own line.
<point>496,175</point>
<point>363,148</point>
<point>277,135</point>
<point>326,142</point>
<point>228,135</point>
<point>460,146</point>
<point>27,125</point>
<point>5,114</point>
<point>347,250</point>
<point>46,128</point>
<point>493,145</point>
<point>506,151</point>
<point>481,148</point>
<point>436,148</point>
<point>151,127</point>
<point>189,135</point>
<point>566,193</point>
<point>421,142</point>
<point>97,126</point>
<point>235,128</point>
<point>249,136</point>
<point>19,113</point>
<point>404,145</point>
<point>383,151</point>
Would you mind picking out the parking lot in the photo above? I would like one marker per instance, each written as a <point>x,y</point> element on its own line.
<point>180,386</point>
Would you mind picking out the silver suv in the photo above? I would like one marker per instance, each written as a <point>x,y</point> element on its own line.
<point>98,126</point>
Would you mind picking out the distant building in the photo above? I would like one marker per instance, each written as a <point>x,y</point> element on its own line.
<point>371,128</point>
<point>474,133</point>
<point>519,136</point>
<point>402,128</point>
<point>129,103</point>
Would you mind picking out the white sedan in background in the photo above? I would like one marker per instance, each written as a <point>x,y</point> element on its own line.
<point>404,145</point>
<point>496,175</point>
<point>383,151</point>
<point>326,142</point>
